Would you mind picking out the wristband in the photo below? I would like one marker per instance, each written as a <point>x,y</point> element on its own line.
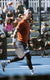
<point>14,39</point>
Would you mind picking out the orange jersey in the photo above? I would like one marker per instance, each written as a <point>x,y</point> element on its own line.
<point>23,33</point>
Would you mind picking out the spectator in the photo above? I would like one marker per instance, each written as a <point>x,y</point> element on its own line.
<point>31,21</point>
<point>25,3</point>
<point>9,26</point>
<point>16,13</point>
<point>10,6</point>
<point>44,30</point>
<point>19,18</point>
<point>1,14</point>
<point>1,27</point>
<point>20,8</point>
<point>4,15</point>
<point>16,6</point>
<point>5,10</point>
<point>10,16</point>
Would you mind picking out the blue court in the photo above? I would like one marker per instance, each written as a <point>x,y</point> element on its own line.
<point>40,64</point>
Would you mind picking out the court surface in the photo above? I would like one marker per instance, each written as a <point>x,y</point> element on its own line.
<point>40,64</point>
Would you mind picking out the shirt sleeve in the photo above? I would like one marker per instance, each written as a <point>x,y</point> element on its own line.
<point>19,26</point>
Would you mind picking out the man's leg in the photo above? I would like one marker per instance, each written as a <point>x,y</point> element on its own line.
<point>4,63</point>
<point>28,58</point>
<point>16,59</point>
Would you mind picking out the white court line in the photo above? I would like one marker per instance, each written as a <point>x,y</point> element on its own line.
<point>24,67</point>
<point>13,68</point>
<point>42,66</point>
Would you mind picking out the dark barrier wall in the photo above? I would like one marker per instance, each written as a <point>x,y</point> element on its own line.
<point>3,48</point>
<point>37,77</point>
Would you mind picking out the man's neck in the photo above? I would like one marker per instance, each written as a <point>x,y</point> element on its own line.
<point>26,19</point>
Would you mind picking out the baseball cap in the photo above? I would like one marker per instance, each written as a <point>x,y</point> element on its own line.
<point>27,11</point>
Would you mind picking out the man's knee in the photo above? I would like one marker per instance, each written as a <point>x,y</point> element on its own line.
<point>28,56</point>
<point>21,58</point>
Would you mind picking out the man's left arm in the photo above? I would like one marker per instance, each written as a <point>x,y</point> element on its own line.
<point>14,36</point>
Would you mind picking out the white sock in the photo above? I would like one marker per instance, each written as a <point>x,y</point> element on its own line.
<point>32,71</point>
<point>8,61</point>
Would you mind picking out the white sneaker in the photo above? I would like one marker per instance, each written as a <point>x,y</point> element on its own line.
<point>3,64</point>
<point>32,72</point>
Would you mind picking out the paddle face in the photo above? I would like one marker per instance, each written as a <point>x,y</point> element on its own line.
<point>19,52</point>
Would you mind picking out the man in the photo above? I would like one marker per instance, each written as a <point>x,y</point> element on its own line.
<point>10,6</point>
<point>20,8</point>
<point>26,3</point>
<point>10,16</point>
<point>44,28</point>
<point>5,10</point>
<point>1,14</point>
<point>22,31</point>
